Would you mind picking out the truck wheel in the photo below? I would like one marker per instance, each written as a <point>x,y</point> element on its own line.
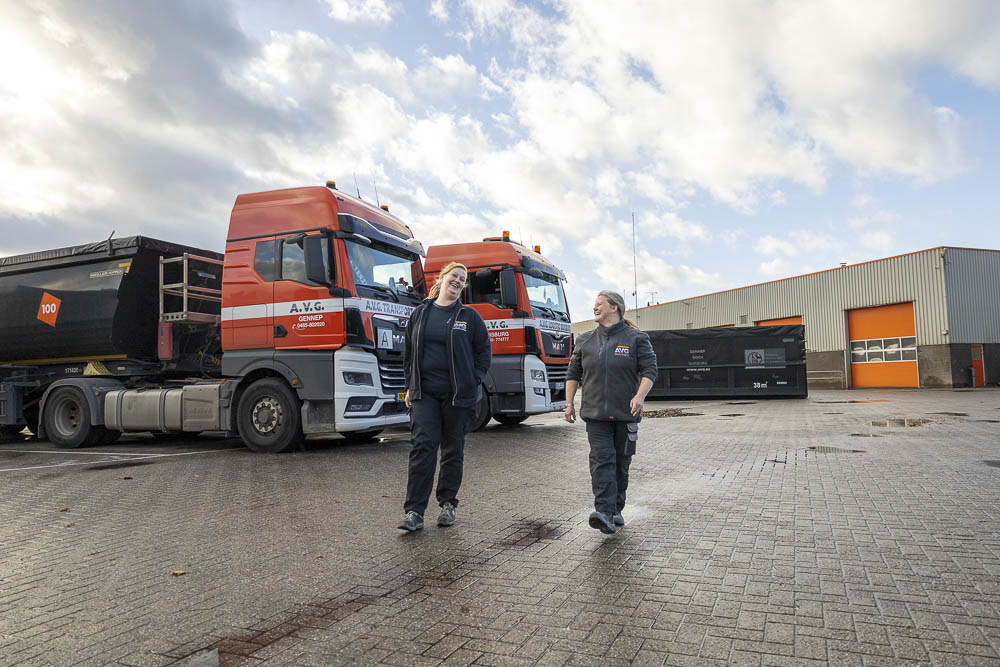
<point>361,436</point>
<point>67,419</point>
<point>482,415</point>
<point>510,420</point>
<point>268,417</point>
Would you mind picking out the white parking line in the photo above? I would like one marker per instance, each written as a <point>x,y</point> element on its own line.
<point>71,452</point>
<point>135,457</point>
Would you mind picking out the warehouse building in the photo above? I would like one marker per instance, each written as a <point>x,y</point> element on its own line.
<point>924,319</point>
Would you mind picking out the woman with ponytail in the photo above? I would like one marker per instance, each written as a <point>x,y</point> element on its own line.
<point>447,355</point>
<point>615,366</point>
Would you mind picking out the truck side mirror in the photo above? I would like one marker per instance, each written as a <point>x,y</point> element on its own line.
<point>508,289</point>
<point>315,266</point>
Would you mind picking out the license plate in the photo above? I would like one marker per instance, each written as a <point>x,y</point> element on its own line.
<point>558,385</point>
<point>387,339</point>
<point>401,396</point>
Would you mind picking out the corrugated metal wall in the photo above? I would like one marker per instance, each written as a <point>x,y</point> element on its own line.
<point>973,283</point>
<point>821,299</point>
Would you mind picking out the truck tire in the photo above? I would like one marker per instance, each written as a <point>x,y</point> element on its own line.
<point>362,436</point>
<point>510,420</point>
<point>268,417</point>
<point>67,419</point>
<point>483,413</point>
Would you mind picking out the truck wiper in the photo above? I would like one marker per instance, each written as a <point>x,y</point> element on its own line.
<point>383,289</point>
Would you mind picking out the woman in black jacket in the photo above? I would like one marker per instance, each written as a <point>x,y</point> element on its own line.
<point>616,367</point>
<point>447,356</point>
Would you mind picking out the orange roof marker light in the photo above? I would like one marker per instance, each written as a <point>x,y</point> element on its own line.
<point>332,185</point>
<point>506,235</point>
<point>384,207</point>
<point>538,249</point>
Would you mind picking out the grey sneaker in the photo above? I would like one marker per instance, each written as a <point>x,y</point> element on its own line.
<point>619,519</point>
<point>447,515</point>
<point>411,521</point>
<point>602,522</point>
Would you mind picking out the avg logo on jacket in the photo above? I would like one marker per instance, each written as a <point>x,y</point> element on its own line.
<point>621,350</point>
<point>460,325</point>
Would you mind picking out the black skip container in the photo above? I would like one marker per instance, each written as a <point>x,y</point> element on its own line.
<point>743,361</point>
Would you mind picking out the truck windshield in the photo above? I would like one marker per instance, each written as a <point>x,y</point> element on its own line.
<point>386,272</point>
<point>546,295</point>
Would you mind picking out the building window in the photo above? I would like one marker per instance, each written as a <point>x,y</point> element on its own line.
<point>744,319</point>
<point>875,350</point>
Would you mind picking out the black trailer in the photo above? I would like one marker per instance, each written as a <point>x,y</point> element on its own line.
<point>730,362</point>
<point>95,311</point>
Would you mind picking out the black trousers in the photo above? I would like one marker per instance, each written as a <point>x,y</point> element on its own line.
<point>612,445</point>
<point>435,423</point>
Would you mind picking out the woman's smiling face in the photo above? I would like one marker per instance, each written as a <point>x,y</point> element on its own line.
<point>453,282</point>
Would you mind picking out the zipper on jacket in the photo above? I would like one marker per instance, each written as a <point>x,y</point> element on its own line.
<point>451,356</point>
<point>604,360</point>
<point>415,370</point>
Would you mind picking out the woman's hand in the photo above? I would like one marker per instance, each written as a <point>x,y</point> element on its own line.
<point>635,405</point>
<point>408,400</point>
<point>570,413</point>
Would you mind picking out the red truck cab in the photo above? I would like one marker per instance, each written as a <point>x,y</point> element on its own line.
<point>520,296</point>
<point>317,289</point>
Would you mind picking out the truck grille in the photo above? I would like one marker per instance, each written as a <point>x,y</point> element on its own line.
<point>557,376</point>
<point>391,374</point>
<point>556,372</point>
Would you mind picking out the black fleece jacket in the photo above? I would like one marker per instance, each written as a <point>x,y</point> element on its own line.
<point>609,363</point>
<point>468,350</point>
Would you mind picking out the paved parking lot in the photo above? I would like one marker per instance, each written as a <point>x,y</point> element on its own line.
<point>755,534</point>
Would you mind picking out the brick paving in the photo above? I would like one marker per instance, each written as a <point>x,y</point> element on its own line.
<point>754,536</point>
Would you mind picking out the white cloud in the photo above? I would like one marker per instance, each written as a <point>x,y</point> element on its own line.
<point>658,225</point>
<point>773,247</point>
<point>361,11</point>
<point>438,10</point>
<point>775,268</point>
<point>880,242</point>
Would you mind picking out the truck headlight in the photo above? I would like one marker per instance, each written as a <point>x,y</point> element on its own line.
<point>538,375</point>
<point>358,378</point>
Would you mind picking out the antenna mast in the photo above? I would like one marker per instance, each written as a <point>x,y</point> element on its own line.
<point>635,271</point>
<point>356,185</point>
<point>377,202</point>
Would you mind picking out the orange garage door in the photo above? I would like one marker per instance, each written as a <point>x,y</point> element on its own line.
<point>781,320</point>
<point>883,346</point>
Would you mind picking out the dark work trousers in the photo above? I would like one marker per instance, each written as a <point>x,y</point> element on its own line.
<point>434,423</point>
<point>612,445</point>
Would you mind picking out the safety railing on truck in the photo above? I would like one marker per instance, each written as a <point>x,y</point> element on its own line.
<point>187,291</point>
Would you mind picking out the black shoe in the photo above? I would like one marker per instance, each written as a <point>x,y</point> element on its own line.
<point>602,522</point>
<point>619,519</point>
<point>411,522</point>
<point>447,516</point>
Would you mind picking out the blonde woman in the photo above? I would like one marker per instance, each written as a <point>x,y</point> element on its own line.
<point>447,356</point>
<point>615,366</point>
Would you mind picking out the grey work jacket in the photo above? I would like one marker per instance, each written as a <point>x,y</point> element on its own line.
<point>609,363</point>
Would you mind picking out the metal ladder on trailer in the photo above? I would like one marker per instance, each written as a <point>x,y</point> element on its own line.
<point>186,291</point>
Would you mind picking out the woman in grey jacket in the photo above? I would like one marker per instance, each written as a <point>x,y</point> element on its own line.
<point>615,365</point>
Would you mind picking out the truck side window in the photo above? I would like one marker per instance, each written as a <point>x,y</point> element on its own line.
<point>293,263</point>
<point>485,290</point>
<point>263,259</point>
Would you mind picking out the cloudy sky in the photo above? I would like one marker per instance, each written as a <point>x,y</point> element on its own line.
<point>750,141</point>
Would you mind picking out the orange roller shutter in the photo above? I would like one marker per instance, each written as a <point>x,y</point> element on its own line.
<point>797,319</point>
<point>874,324</point>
